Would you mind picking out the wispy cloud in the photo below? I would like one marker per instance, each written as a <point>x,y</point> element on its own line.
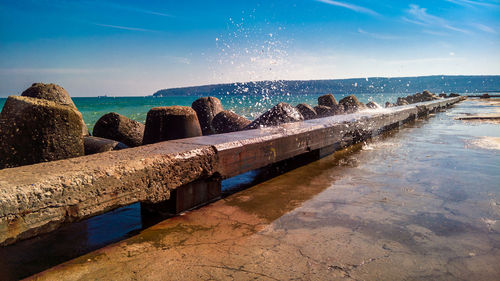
<point>55,70</point>
<point>484,28</point>
<point>470,3</point>
<point>379,36</point>
<point>138,10</point>
<point>418,15</point>
<point>351,7</point>
<point>451,27</point>
<point>106,4</point>
<point>155,13</point>
<point>123,27</point>
<point>437,33</point>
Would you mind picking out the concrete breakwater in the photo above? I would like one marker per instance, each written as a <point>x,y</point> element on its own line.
<point>183,173</point>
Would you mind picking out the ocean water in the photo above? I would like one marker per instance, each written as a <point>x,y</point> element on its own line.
<point>249,106</point>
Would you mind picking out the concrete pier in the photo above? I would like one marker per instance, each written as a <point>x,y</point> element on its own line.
<point>39,198</point>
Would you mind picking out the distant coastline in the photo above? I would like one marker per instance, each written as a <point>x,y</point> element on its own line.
<point>461,84</point>
<point>370,85</point>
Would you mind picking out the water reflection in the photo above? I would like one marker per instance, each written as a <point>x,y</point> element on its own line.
<point>34,255</point>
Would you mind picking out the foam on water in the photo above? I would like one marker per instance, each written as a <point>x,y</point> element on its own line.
<point>380,145</point>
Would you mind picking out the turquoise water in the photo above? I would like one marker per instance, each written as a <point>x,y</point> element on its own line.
<point>250,106</point>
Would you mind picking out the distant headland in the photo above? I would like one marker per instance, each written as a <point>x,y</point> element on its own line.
<point>437,84</point>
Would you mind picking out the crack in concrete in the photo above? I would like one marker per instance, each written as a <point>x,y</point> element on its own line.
<point>240,269</point>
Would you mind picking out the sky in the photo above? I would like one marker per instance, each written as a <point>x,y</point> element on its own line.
<point>133,48</point>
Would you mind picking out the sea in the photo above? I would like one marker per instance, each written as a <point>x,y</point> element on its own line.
<point>249,106</point>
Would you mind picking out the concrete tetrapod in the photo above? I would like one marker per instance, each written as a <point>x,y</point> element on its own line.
<point>351,104</point>
<point>55,93</point>
<point>97,145</point>
<point>280,113</point>
<point>327,100</point>
<point>323,111</point>
<point>34,130</point>
<point>206,109</point>
<point>373,105</point>
<point>228,121</point>
<point>307,111</point>
<point>117,127</point>
<point>170,123</point>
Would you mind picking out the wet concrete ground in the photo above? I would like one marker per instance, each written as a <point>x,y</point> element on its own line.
<point>420,203</point>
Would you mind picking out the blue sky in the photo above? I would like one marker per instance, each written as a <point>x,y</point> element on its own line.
<point>137,47</point>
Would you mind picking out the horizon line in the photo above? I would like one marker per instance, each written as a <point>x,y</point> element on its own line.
<point>282,80</point>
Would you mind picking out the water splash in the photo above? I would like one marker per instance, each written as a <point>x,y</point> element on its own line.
<point>254,53</point>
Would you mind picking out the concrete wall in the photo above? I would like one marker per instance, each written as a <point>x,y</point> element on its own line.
<point>39,198</point>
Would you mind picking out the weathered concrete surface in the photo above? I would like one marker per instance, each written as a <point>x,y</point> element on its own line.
<point>228,121</point>
<point>35,130</point>
<point>117,127</point>
<point>351,104</point>
<point>278,114</point>
<point>307,111</point>
<point>55,93</point>
<point>206,109</point>
<point>169,123</point>
<point>327,100</point>
<point>185,197</point>
<point>95,145</point>
<point>43,196</point>
<point>38,198</point>
<point>373,105</point>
